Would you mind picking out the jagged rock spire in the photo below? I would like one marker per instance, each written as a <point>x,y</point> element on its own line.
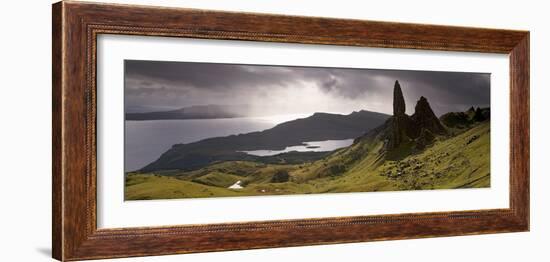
<point>424,117</point>
<point>420,127</point>
<point>400,121</point>
<point>398,100</point>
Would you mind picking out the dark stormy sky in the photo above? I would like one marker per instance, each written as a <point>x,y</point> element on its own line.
<point>271,90</point>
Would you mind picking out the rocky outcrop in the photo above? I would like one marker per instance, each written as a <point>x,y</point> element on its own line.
<point>421,127</point>
<point>456,120</point>
<point>465,119</point>
<point>403,129</point>
<point>424,117</point>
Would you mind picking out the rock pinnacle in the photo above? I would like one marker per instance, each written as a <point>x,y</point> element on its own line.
<point>398,100</point>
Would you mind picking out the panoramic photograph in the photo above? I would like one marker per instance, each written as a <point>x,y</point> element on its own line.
<point>196,130</point>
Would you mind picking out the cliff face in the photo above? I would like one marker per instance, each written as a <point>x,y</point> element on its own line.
<point>404,128</point>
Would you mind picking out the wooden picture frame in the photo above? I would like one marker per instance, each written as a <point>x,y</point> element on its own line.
<point>76,26</point>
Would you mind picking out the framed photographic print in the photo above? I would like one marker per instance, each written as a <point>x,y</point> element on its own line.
<point>182,130</point>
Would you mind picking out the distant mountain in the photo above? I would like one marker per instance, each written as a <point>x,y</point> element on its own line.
<point>318,127</point>
<point>192,112</point>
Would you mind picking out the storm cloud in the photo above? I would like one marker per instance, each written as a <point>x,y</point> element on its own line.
<point>269,90</point>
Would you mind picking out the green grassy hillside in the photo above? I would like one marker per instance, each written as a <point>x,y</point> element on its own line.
<point>461,160</point>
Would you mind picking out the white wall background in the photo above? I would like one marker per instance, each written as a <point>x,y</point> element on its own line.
<point>25,87</point>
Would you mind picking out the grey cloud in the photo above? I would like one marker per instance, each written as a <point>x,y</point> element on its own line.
<point>180,84</point>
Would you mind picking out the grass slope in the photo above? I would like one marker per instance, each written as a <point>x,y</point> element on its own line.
<point>461,161</point>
